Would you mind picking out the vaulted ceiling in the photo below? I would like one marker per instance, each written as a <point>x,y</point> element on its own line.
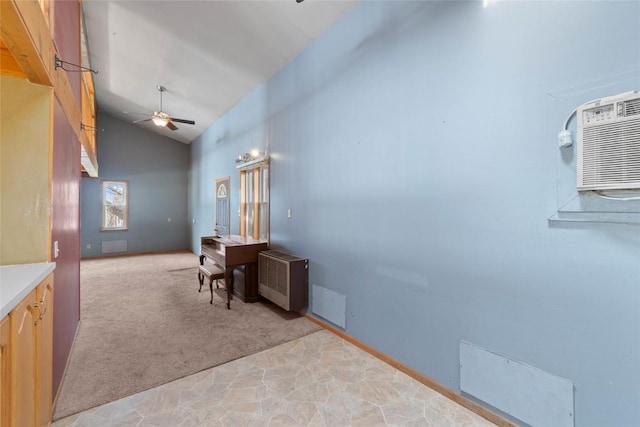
<point>207,54</point>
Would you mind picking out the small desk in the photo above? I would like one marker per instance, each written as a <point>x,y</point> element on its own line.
<point>234,251</point>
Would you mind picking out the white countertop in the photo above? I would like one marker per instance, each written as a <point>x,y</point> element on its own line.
<point>16,281</point>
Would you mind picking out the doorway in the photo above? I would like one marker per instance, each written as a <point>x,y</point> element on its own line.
<point>223,207</point>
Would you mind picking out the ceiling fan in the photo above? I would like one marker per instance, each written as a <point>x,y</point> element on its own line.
<point>162,119</point>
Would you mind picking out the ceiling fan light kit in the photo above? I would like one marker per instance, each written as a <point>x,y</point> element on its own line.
<point>162,119</point>
<point>159,121</point>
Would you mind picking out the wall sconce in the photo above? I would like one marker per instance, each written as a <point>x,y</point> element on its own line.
<point>246,159</point>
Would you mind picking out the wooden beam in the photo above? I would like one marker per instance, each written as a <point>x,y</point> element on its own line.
<point>71,107</point>
<point>89,89</point>
<point>8,64</point>
<point>89,120</point>
<point>24,31</point>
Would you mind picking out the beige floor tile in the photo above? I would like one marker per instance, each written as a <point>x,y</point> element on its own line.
<point>319,380</point>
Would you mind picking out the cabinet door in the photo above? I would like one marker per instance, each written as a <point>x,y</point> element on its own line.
<point>23,362</point>
<point>5,371</point>
<point>45,351</point>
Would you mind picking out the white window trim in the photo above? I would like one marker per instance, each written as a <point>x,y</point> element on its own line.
<point>103,206</point>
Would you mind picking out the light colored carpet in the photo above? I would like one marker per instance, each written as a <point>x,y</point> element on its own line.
<point>143,323</point>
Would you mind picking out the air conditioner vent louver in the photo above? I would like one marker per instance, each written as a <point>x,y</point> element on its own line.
<point>608,143</point>
<point>631,108</point>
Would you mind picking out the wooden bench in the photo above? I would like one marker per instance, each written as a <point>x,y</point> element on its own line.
<point>210,272</point>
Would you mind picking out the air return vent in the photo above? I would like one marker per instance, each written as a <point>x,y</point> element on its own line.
<point>608,143</point>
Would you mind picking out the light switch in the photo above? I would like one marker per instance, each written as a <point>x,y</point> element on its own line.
<point>56,250</point>
<point>168,219</point>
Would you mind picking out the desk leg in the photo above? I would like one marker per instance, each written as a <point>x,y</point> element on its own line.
<point>228,284</point>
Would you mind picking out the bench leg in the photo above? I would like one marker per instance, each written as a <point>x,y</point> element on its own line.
<point>211,289</point>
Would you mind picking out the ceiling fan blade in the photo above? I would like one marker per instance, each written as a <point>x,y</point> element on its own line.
<point>142,120</point>
<point>139,114</point>
<point>172,126</point>
<point>189,122</point>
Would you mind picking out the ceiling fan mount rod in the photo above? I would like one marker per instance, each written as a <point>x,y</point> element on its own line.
<point>161,89</point>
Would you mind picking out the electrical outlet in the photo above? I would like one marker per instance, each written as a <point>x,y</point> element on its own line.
<point>88,245</point>
<point>289,213</point>
<point>168,219</point>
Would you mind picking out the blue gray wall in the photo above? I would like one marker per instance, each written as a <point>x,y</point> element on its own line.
<point>157,170</point>
<point>415,143</point>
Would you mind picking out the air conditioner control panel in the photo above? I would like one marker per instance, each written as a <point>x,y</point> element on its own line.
<point>599,114</point>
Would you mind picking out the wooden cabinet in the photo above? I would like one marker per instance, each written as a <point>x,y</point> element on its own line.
<point>23,361</point>
<point>44,370</point>
<point>26,344</point>
<point>5,369</point>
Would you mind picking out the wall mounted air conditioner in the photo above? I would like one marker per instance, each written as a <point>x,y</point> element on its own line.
<point>608,143</point>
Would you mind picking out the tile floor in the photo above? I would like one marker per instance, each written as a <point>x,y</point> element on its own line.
<point>316,380</point>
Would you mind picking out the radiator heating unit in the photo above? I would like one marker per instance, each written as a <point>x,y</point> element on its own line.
<point>283,279</point>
